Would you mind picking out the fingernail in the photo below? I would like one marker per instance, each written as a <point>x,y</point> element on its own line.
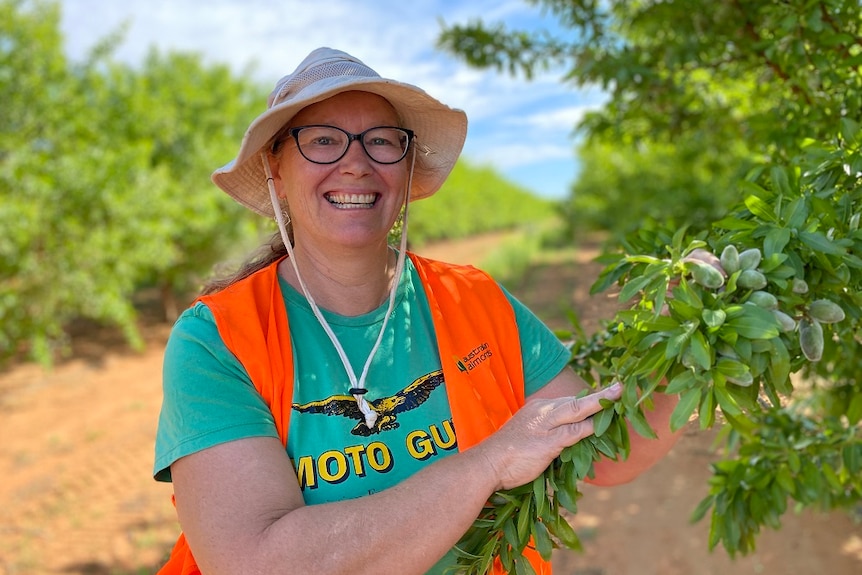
<point>616,385</point>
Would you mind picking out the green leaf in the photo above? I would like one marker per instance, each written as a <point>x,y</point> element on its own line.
<point>849,129</point>
<point>796,213</point>
<point>523,567</point>
<point>540,495</point>
<point>760,208</point>
<point>504,513</point>
<point>542,540</point>
<point>714,318</point>
<point>679,339</point>
<point>681,382</point>
<point>780,181</point>
<point>730,367</point>
<point>602,420</point>
<point>700,350</point>
<point>640,424</point>
<point>682,412</point>
<point>564,532</point>
<point>706,409</point>
<point>854,409</point>
<point>754,323</point>
<point>779,366</point>
<point>525,521</point>
<point>785,479</point>
<point>582,459</point>
<point>609,276</point>
<point>820,243</point>
<point>633,287</point>
<point>567,499</point>
<point>727,403</point>
<point>775,242</point>
<point>510,534</point>
<point>701,509</point>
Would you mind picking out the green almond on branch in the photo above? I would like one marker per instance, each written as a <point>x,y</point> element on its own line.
<point>763,299</point>
<point>811,338</point>
<point>751,279</point>
<point>786,322</point>
<point>729,259</point>
<point>799,286</point>
<point>826,311</point>
<point>750,259</point>
<point>706,275</point>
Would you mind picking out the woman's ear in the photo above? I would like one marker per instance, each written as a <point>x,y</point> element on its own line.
<point>274,166</point>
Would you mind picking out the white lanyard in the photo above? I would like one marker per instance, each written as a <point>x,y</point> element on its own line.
<point>357,389</point>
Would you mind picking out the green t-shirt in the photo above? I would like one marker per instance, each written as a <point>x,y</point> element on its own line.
<point>209,398</point>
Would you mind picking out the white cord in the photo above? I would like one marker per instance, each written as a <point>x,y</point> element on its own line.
<point>357,384</point>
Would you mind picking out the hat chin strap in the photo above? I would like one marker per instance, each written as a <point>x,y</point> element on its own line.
<point>357,389</point>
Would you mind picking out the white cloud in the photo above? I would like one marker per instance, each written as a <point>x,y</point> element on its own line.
<point>555,119</point>
<point>521,154</point>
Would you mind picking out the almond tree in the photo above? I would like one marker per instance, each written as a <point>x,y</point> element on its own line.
<point>104,178</point>
<point>772,92</point>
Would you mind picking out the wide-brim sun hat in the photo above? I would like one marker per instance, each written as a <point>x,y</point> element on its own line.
<point>440,130</point>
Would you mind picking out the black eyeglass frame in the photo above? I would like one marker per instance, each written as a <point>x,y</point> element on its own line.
<point>360,137</point>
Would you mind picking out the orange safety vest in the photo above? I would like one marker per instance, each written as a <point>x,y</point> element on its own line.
<point>468,309</point>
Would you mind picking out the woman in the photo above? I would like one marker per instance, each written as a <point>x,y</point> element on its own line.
<point>340,406</point>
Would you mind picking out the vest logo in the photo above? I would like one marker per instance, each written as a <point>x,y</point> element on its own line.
<point>475,358</point>
<point>387,408</point>
<point>459,363</point>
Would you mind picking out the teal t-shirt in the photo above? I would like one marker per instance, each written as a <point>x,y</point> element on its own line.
<point>209,398</point>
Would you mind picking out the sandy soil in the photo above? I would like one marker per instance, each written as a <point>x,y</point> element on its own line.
<point>76,458</point>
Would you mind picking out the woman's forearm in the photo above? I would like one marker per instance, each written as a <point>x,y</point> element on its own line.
<point>404,529</point>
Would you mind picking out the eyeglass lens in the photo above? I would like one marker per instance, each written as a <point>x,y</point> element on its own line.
<point>328,144</point>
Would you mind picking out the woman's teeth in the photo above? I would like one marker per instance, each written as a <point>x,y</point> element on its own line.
<point>351,201</point>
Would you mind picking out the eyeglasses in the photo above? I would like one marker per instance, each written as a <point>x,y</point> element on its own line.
<point>328,144</point>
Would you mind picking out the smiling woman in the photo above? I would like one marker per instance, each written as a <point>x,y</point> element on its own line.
<point>338,392</point>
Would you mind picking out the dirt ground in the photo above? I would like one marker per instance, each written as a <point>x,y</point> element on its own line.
<point>76,447</point>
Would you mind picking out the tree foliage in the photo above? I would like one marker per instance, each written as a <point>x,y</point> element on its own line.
<point>730,83</point>
<point>103,173</point>
<point>473,200</point>
<point>700,95</point>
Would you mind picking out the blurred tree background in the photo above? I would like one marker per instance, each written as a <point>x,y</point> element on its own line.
<point>105,190</point>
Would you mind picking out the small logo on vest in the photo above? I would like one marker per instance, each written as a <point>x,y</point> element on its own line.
<point>475,358</point>
<point>459,363</point>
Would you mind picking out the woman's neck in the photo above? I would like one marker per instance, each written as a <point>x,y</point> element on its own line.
<point>346,282</point>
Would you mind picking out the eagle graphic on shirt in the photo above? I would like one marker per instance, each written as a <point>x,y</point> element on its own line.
<point>387,408</point>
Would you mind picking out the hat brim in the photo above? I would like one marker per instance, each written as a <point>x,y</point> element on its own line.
<point>440,134</point>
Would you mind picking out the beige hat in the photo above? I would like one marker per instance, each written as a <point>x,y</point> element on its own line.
<point>440,130</point>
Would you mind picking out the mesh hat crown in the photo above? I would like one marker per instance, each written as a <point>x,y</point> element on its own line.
<point>440,130</point>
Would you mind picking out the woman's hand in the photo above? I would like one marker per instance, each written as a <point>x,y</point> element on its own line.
<point>525,446</point>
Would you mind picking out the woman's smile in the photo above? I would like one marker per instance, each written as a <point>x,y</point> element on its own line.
<point>351,201</point>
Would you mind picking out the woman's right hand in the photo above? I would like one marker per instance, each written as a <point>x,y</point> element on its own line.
<point>524,447</point>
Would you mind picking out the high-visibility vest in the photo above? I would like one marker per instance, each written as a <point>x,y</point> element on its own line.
<point>469,311</point>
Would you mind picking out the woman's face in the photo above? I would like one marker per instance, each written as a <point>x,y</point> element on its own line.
<point>354,201</point>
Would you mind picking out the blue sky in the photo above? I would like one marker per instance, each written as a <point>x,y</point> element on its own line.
<point>524,129</point>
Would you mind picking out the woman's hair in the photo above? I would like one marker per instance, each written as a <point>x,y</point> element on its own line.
<point>264,256</point>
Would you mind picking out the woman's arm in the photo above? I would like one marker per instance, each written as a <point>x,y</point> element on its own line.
<point>242,511</point>
<point>644,452</point>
